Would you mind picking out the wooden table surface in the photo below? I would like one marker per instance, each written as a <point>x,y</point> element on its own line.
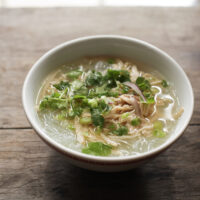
<point>29,169</point>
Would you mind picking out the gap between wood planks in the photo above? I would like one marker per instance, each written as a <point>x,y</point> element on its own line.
<point>29,128</point>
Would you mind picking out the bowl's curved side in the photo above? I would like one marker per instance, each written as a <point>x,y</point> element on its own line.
<point>98,45</point>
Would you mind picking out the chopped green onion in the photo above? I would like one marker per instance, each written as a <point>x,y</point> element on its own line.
<point>62,85</point>
<point>158,125</point>
<point>93,103</point>
<point>85,120</point>
<point>76,84</point>
<point>74,74</point>
<point>158,129</point>
<point>159,133</point>
<point>125,115</point>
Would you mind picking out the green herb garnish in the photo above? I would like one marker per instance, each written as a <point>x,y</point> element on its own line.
<point>71,127</point>
<point>136,121</point>
<point>102,106</point>
<point>125,115</point>
<point>97,149</point>
<point>145,87</point>
<point>159,133</point>
<point>74,74</point>
<point>125,89</point>
<point>82,90</point>
<point>75,111</point>
<point>143,84</point>
<point>86,120</point>
<point>94,79</point>
<point>117,75</point>
<point>76,85</point>
<point>122,130</point>
<point>111,126</point>
<point>93,103</point>
<point>164,83</point>
<point>53,103</point>
<point>158,129</point>
<point>62,85</point>
<point>97,119</point>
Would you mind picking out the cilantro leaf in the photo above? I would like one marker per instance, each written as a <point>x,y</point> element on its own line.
<point>97,149</point>
<point>124,76</point>
<point>143,84</point>
<point>97,119</point>
<point>81,91</point>
<point>62,85</point>
<point>102,106</point>
<point>150,100</point>
<point>97,108</point>
<point>164,83</point>
<point>125,89</point>
<point>116,75</point>
<point>145,87</point>
<point>136,121</point>
<point>94,79</point>
<point>122,130</point>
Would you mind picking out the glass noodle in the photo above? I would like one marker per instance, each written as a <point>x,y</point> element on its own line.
<point>107,107</point>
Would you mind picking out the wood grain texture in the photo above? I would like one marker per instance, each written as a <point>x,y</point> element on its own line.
<point>31,170</point>
<point>25,34</point>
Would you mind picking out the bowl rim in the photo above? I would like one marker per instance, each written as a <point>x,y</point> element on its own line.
<point>98,159</point>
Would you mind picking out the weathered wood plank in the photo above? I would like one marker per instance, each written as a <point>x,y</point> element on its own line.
<point>31,170</point>
<point>25,34</point>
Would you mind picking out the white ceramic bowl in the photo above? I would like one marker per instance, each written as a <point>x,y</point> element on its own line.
<point>131,48</point>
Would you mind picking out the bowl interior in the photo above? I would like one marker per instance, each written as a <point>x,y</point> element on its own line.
<point>132,49</point>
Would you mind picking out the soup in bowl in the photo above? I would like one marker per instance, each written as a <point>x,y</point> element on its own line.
<point>109,103</point>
